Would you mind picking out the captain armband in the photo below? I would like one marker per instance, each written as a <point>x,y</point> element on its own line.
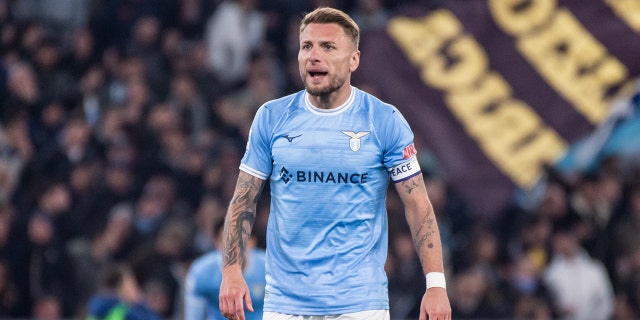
<point>405,170</point>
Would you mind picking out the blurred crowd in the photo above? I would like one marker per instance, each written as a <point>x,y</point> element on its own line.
<point>122,124</point>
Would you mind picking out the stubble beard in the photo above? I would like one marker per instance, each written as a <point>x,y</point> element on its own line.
<point>324,91</point>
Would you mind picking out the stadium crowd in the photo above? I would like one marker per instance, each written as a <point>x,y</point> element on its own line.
<point>122,125</point>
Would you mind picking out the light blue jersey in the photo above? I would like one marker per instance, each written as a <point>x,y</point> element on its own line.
<point>329,172</point>
<point>202,286</point>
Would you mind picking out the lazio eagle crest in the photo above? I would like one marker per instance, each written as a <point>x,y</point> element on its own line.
<point>354,142</point>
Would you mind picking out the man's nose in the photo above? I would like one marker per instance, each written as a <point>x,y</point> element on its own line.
<point>314,54</point>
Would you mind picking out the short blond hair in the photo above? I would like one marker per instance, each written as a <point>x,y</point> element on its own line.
<point>332,15</point>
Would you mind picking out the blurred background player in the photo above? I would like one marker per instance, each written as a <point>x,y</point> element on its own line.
<point>120,298</point>
<point>202,285</point>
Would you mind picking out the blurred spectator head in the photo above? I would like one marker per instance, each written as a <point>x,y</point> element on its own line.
<point>83,45</point>
<point>112,125</point>
<point>437,192</point>
<point>403,248</point>
<point>22,83</point>
<point>535,238</point>
<point>173,239</point>
<point>162,117</point>
<point>32,34</point>
<point>211,210</point>
<point>154,204</point>
<point>483,247</point>
<point>53,115</point>
<point>111,241</point>
<point>92,79</point>
<point>121,150</point>
<point>565,238</point>
<point>47,54</point>
<point>119,178</point>
<point>555,201</point>
<point>76,137</point>
<point>55,199</point>
<point>532,307</point>
<point>40,231</point>
<point>47,307</point>
<point>174,147</point>
<point>146,32</point>
<point>468,291</point>
<point>523,274</point>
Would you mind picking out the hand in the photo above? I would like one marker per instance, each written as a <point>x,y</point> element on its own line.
<point>234,294</point>
<point>435,305</point>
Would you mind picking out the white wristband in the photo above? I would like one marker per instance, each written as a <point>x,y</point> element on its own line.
<point>436,279</point>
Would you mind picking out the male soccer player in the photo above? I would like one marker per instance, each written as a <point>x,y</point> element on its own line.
<point>328,152</point>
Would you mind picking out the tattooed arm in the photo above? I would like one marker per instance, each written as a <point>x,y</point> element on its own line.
<point>234,292</point>
<point>426,238</point>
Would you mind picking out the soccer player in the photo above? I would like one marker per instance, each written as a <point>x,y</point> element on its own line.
<point>328,153</point>
<point>202,284</point>
<point>120,297</point>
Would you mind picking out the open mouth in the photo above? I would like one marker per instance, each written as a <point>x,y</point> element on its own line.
<point>317,74</point>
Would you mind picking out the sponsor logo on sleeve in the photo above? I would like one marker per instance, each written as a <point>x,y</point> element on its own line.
<point>409,151</point>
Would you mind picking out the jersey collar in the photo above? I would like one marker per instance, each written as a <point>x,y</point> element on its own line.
<point>330,112</point>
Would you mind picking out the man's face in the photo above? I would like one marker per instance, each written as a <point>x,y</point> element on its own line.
<point>326,58</point>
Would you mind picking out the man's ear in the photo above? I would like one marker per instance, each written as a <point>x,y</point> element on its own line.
<point>355,61</point>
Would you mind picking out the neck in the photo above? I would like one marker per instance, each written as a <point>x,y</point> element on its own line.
<point>331,100</point>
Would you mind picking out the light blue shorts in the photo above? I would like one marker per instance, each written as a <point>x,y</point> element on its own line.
<point>362,315</point>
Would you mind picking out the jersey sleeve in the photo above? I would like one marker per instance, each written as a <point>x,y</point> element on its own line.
<point>257,156</point>
<point>399,149</point>
<point>195,306</point>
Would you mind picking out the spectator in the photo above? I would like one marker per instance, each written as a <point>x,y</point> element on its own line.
<point>523,291</point>
<point>55,84</point>
<point>191,17</point>
<point>210,211</point>
<point>91,254</point>
<point>370,14</point>
<point>470,296</point>
<point>23,92</point>
<point>234,31</point>
<point>16,152</point>
<point>49,265</point>
<point>185,98</point>
<point>580,285</point>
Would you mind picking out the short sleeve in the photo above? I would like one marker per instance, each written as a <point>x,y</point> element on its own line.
<point>399,149</point>
<point>257,159</point>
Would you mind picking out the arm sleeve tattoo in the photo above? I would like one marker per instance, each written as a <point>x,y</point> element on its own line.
<point>240,217</point>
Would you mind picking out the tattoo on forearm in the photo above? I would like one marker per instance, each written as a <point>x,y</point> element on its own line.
<point>425,232</point>
<point>409,185</point>
<point>240,219</point>
<point>237,238</point>
<point>247,191</point>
